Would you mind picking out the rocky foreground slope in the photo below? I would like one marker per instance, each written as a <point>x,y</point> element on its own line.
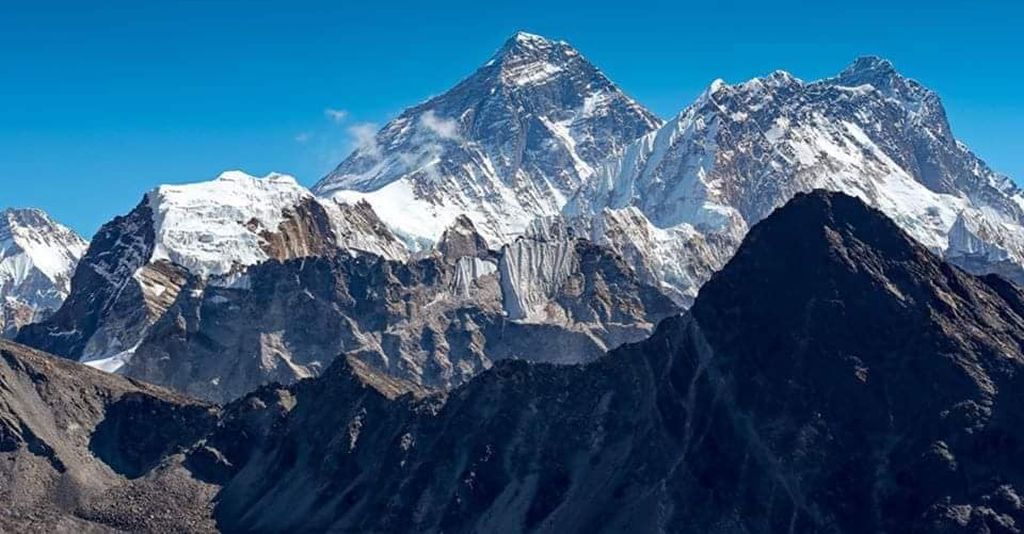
<point>835,376</point>
<point>86,451</point>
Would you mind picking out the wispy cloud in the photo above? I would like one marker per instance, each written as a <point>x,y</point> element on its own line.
<point>303,137</point>
<point>336,115</point>
<point>443,128</point>
<point>364,138</point>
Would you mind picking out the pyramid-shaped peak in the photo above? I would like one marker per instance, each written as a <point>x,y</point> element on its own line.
<point>873,64</point>
<point>524,47</point>
<point>529,38</point>
<point>835,229</point>
<point>26,217</point>
<point>869,70</point>
<point>526,40</point>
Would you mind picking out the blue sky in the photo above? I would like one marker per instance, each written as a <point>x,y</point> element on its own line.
<point>100,103</point>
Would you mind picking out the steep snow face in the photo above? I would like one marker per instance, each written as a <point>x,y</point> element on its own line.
<point>37,257</point>
<point>740,151</point>
<point>531,272</point>
<point>510,143</point>
<point>212,228</point>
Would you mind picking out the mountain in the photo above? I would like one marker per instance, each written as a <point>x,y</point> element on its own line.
<point>86,451</point>
<point>834,376</point>
<point>742,150</point>
<point>509,143</point>
<point>37,257</point>
<point>137,264</point>
<point>216,288</point>
<point>434,322</point>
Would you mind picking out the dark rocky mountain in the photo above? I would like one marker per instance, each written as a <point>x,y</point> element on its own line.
<point>835,376</point>
<point>86,451</point>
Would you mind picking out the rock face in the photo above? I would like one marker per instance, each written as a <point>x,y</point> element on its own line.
<point>740,151</point>
<point>185,235</point>
<point>86,451</point>
<point>434,322</point>
<point>37,258</point>
<point>509,143</point>
<point>216,288</point>
<point>836,376</point>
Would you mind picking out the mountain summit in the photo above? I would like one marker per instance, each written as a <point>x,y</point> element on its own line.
<point>740,151</point>
<point>37,258</point>
<point>509,143</point>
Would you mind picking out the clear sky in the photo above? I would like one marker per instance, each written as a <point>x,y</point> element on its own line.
<point>99,103</point>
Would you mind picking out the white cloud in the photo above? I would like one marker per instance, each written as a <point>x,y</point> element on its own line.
<point>364,138</point>
<point>303,137</point>
<point>336,115</point>
<point>444,128</point>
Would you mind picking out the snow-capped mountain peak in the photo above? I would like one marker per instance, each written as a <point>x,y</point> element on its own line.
<point>742,150</point>
<point>207,227</point>
<point>527,59</point>
<point>37,258</point>
<point>210,233</point>
<point>509,143</point>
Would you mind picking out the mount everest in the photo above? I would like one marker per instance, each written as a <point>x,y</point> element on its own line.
<point>510,143</point>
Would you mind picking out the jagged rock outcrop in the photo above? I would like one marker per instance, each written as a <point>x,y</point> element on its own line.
<point>435,322</point>
<point>37,257</point>
<point>509,143</point>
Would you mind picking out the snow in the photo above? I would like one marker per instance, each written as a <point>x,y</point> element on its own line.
<point>531,73</point>
<point>208,227</point>
<point>467,271</point>
<point>38,257</point>
<point>112,364</point>
<point>836,134</point>
<point>532,271</point>
<point>417,221</point>
<point>213,228</point>
<point>31,239</point>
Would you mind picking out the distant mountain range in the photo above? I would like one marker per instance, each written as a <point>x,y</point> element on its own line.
<point>548,169</point>
<point>834,376</point>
